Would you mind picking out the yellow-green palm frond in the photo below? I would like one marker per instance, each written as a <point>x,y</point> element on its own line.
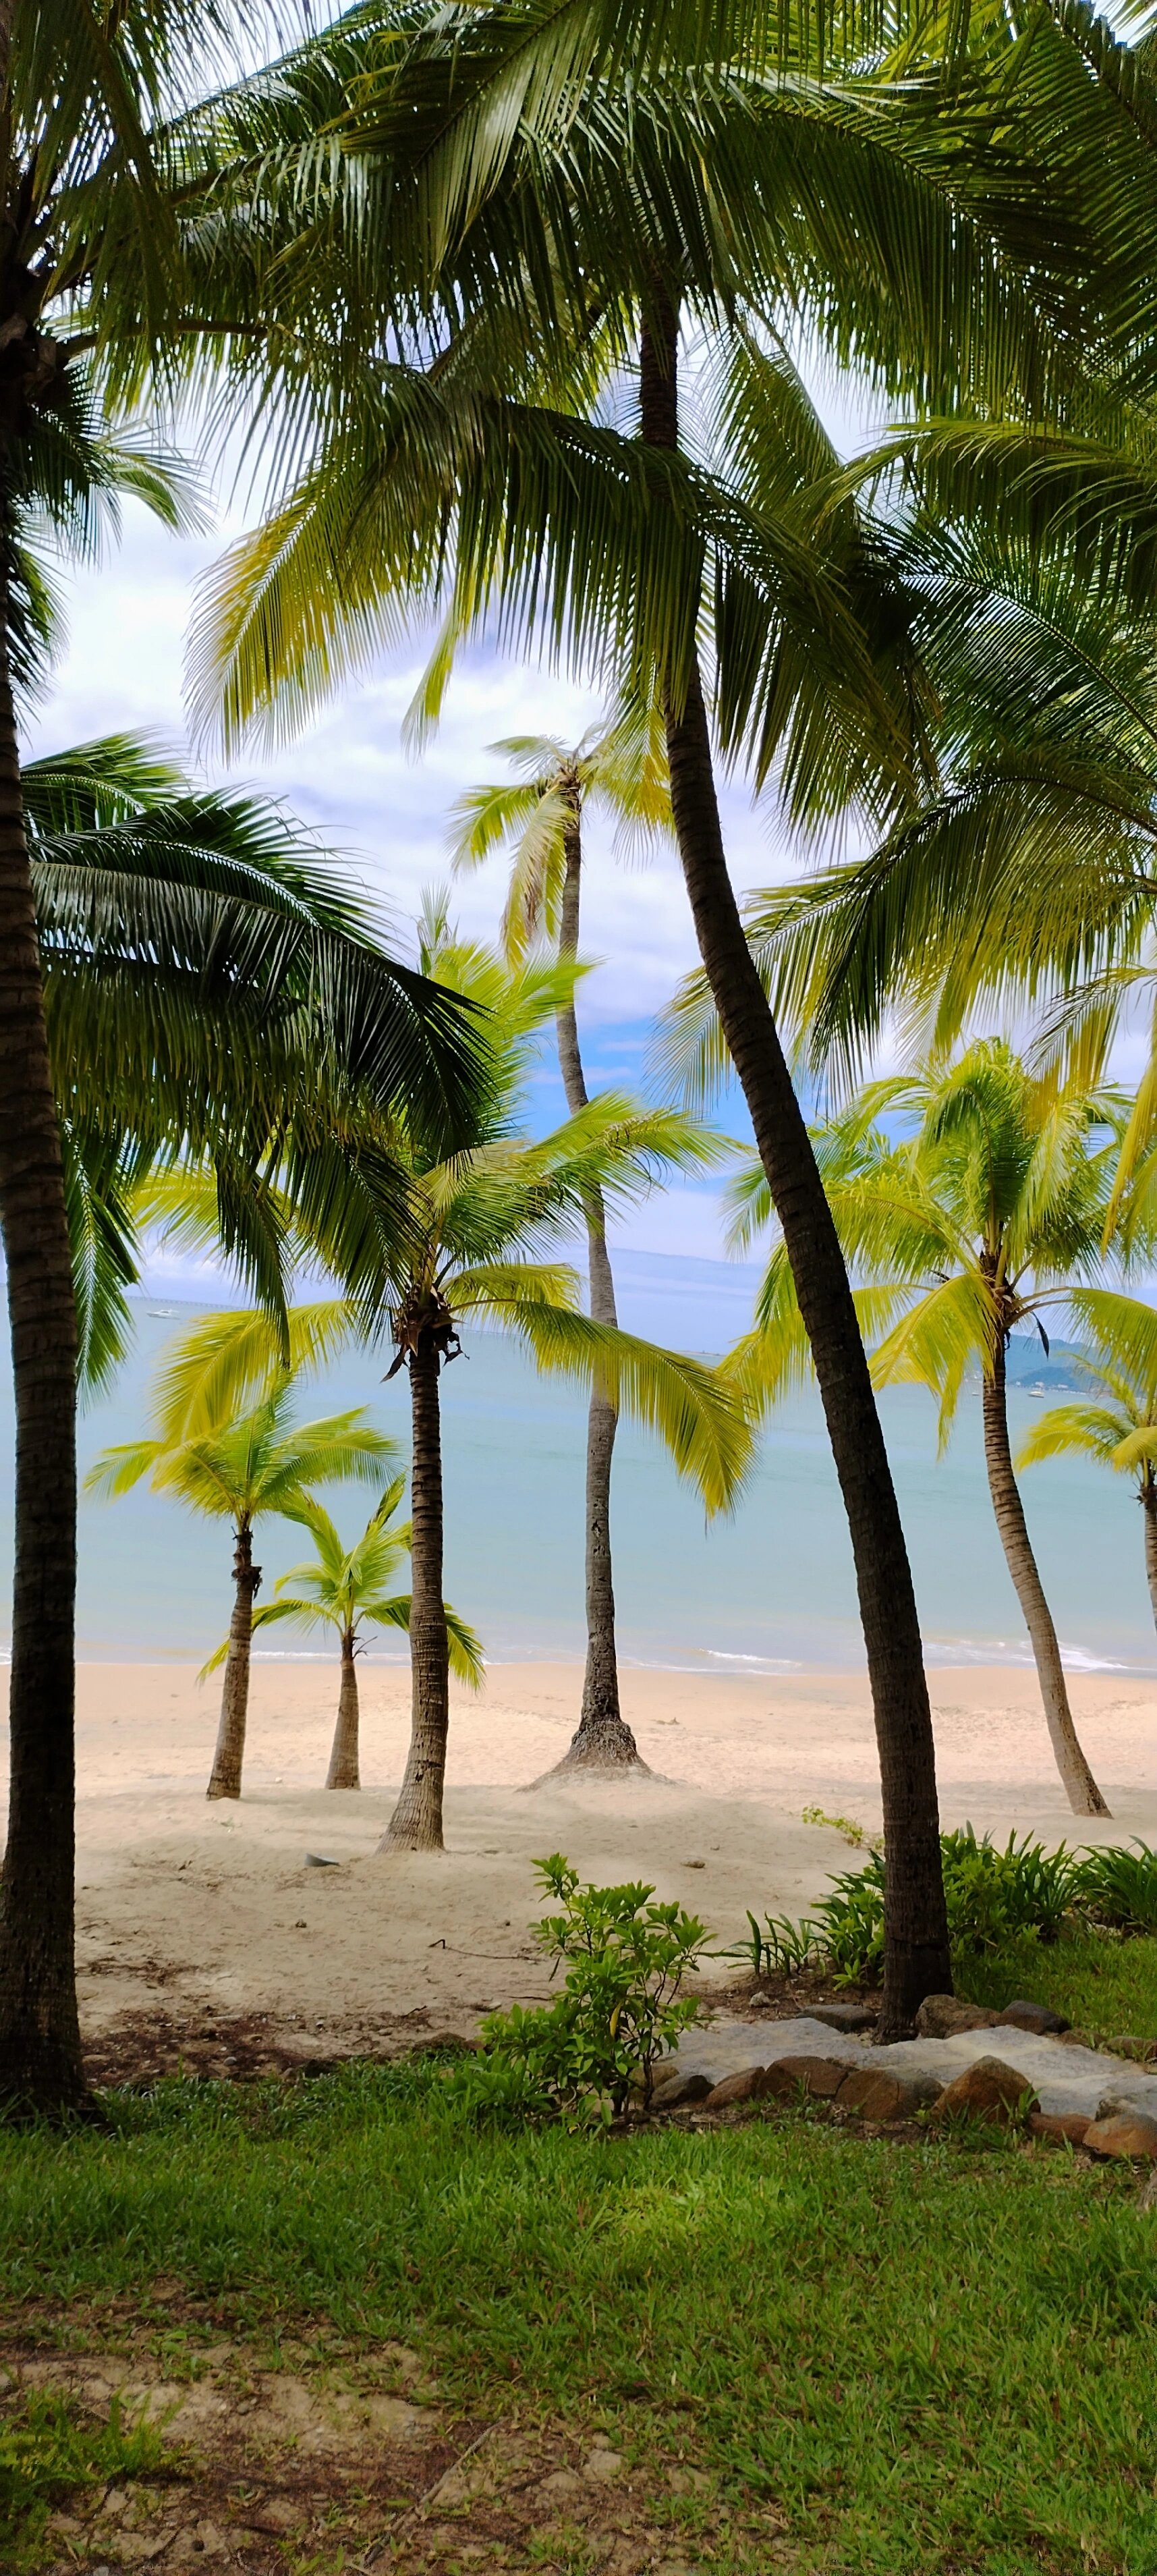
<point>944,1334</point>
<point>212,1371</point>
<point>687,1404</point>
<point>774,1359</point>
<point>1095,1429</point>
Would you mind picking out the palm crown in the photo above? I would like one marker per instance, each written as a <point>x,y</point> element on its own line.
<point>619,768</point>
<point>346,1587</point>
<point>992,1210</point>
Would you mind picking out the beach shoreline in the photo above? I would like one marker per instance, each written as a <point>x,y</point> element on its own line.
<point>188,1911</point>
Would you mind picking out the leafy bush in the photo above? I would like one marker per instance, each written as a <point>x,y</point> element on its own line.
<point>781,1949</point>
<point>993,1896</point>
<point>619,2011</point>
<point>46,2452</point>
<point>1119,1887</point>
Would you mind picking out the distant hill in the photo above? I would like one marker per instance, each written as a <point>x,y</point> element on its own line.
<point>1028,1369</point>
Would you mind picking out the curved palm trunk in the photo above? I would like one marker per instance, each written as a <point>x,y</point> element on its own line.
<point>1149,1506</point>
<point>916,1960</point>
<point>1080,1788</point>
<point>416,1823</point>
<point>225,1776</point>
<point>603,1740</point>
<point>343,1772</point>
<point>40,2064</point>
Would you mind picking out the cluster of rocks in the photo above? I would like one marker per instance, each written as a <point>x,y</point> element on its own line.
<point>1045,2077</point>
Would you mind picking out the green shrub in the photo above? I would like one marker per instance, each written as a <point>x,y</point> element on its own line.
<point>1119,1888</point>
<point>993,1896</point>
<point>46,2452</point>
<point>619,2011</point>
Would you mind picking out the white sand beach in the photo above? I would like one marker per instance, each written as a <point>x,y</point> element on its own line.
<point>191,1910</point>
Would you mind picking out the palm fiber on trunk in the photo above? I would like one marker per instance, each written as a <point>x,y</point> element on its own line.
<point>40,2063</point>
<point>416,1823</point>
<point>1080,1788</point>
<point>917,1960</point>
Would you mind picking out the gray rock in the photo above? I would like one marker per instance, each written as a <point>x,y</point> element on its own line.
<point>820,2076</point>
<point>745,2086</point>
<point>942,2016</point>
<point>987,2090</point>
<point>845,2016</point>
<point>675,2091</point>
<point>1023,2015</point>
<point>1065,2073</point>
<point>1126,2133</point>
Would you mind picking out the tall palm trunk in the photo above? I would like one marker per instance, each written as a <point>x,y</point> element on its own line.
<point>916,1960</point>
<point>1080,1788</point>
<point>416,1823</point>
<point>343,1772</point>
<point>225,1776</point>
<point>603,1740</point>
<point>1149,1506</point>
<point>40,2064</point>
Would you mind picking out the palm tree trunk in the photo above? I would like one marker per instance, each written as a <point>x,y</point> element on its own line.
<point>225,1776</point>
<point>416,1823</point>
<point>1149,1505</point>
<point>40,2063</point>
<point>343,1770</point>
<point>1080,1788</point>
<point>916,1960</point>
<point>603,1740</point>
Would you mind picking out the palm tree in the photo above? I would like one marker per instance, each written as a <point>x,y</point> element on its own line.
<point>1117,1424</point>
<point>618,767</point>
<point>476,1221</point>
<point>343,1588</point>
<point>492,481</point>
<point>208,982</point>
<point>238,1470</point>
<point>212,984</point>
<point>960,1233</point>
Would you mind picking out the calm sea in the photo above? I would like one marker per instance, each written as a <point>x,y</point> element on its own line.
<point>769,1588</point>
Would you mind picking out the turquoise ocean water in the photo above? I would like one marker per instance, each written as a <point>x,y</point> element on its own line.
<point>769,1587</point>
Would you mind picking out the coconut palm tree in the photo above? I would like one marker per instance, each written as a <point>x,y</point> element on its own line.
<point>619,768</point>
<point>344,1588</point>
<point>981,1220</point>
<point>1117,1422</point>
<point>257,1463</point>
<point>211,981</point>
<point>494,481</point>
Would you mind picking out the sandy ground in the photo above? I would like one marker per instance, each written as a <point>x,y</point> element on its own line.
<point>190,1909</point>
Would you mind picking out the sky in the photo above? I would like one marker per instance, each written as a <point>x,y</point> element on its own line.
<point>386,814</point>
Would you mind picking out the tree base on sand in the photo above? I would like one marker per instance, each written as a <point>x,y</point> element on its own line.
<point>40,2080</point>
<point>599,1744</point>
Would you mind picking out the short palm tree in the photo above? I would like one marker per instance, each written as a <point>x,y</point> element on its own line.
<point>345,1589</point>
<point>619,768</point>
<point>1117,1421</point>
<point>990,1213</point>
<point>240,1469</point>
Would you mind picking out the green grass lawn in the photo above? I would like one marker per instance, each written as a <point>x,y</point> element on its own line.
<point>1105,1986</point>
<point>924,2357</point>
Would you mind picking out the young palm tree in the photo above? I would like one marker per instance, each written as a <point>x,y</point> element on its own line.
<point>257,1463</point>
<point>960,1233</point>
<point>620,769</point>
<point>1117,1424</point>
<point>344,1588</point>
